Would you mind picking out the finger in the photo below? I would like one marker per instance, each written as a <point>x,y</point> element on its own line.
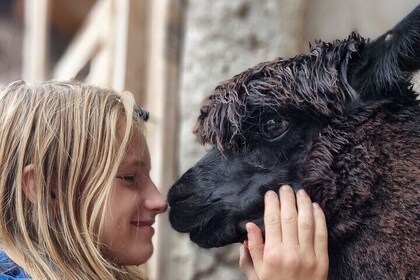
<point>305,221</point>
<point>288,216</point>
<point>272,219</point>
<point>245,262</point>
<point>255,244</point>
<point>321,234</point>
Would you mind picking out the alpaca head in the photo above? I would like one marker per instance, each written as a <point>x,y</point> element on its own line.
<point>262,125</point>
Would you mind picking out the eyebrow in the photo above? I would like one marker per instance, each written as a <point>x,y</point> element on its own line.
<point>133,163</point>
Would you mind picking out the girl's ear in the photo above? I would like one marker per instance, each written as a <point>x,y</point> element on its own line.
<point>29,186</point>
<point>28,183</point>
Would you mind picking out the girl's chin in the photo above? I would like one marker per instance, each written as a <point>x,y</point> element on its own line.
<point>146,254</point>
<point>132,256</point>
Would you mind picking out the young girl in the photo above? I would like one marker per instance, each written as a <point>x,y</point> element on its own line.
<point>76,198</point>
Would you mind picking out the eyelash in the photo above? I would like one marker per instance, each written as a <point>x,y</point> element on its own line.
<point>127,178</point>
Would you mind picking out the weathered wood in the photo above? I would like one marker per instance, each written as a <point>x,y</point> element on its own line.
<point>114,39</point>
<point>87,42</point>
<point>121,20</point>
<point>167,28</point>
<point>35,43</point>
<point>132,47</point>
<point>102,62</point>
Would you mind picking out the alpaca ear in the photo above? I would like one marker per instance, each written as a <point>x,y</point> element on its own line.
<point>387,64</point>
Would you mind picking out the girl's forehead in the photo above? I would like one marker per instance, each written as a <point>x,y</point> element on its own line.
<point>137,149</point>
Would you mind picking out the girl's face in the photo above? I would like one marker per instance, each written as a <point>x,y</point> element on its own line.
<point>134,203</point>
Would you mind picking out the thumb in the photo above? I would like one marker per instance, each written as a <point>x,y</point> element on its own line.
<point>255,244</point>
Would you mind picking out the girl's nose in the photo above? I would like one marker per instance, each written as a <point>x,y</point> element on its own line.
<point>159,205</point>
<point>155,201</point>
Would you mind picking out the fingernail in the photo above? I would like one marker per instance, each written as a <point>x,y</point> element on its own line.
<point>270,193</point>
<point>285,188</point>
<point>247,226</point>
<point>301,192</point>
<point>315,205</point>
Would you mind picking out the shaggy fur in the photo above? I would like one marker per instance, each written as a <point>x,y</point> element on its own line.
<point>343,123</point>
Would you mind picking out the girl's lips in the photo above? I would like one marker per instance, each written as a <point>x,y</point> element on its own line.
<point>144,225</point>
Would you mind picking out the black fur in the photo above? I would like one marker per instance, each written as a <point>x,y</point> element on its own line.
<point>343,123</point>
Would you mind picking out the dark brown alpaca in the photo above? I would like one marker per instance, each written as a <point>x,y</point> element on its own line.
<point>343,123</point>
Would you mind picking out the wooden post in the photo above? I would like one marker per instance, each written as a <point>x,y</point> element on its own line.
<point>102,63</point>
<point>86,43</point>
<point>166,35</point>
<point>35,42</point>
<point>121,20</point>
<point>132,47</point>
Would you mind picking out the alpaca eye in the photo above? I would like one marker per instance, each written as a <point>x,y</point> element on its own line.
<point>274,129</point>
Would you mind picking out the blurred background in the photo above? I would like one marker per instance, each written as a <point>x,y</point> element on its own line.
<point>170,54</point>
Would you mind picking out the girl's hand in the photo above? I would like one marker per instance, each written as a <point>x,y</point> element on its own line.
<point>296,243</point>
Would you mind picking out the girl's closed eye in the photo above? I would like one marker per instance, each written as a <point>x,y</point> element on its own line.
<point>129,178</point>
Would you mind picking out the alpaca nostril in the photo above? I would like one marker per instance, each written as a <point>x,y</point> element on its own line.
<point>183,197</point>
<point>178,194</point>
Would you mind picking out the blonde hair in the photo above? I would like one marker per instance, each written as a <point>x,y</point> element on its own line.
<point>68,131</point>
